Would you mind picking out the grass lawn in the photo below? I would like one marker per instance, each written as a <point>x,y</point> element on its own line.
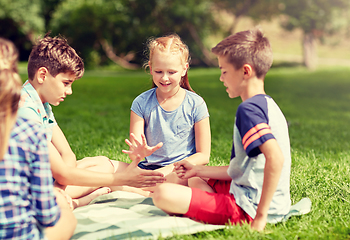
<point>95,120</point>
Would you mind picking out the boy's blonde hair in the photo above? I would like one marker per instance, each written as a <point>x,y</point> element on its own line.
<point>171,44</point>
<point>247,47</point>
<point>10,91</point>
<point>57,56</point>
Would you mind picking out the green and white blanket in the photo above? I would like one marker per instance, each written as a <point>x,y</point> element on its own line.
<point>124,215</point>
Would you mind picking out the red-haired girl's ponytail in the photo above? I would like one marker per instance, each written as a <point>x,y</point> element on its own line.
<point>185,83</point>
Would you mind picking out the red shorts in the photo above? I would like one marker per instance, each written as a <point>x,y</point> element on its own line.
<point>216,208</point>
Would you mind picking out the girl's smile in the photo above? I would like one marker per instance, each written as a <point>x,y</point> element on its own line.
<point>167,70</point>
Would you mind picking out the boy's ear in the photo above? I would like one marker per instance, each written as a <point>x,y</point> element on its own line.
<point>247,70</point>
<point>41,74</point>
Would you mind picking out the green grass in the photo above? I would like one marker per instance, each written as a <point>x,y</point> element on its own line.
<point>95,120</point>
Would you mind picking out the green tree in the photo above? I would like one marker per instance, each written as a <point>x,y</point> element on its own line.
<point>316,18</point>
<point>192,20</point>
<point>23,21</point>
<point>255,9</point>
<point>94,28</point>
<point>119,29</point>
<point>25,15</point>
<point>48,7</point>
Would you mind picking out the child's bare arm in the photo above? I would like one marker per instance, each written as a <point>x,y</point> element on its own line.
<point>68,175</point>
<point>273,168</point>
<point>203,143</point>
<point>137,124</point>
<point>185,170</point>
<point>61,144</point>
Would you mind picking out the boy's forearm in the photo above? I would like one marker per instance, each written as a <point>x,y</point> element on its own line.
<point>215,172</point>
<point>132,176</point>
<point>272,174</point>
<point>60,144</point>
<point>82,177</point>
<point>271,178</point>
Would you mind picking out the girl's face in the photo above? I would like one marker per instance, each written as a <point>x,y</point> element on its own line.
<point>167,70</point>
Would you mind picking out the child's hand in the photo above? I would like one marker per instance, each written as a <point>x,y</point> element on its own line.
<point>63,199</point>
<point>140,178</point>
<point>259,223</point>
<point>137,150</point>
<point>184,169</point>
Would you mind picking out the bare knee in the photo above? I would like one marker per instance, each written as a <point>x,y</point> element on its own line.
<point>173,178</point>
<point>161,194</point>
<point>119,166</point>
<point>200,183</point>
<point>172,198</point>
<point>194,182</point>
<point>103,160</point>
<point>107,164</point>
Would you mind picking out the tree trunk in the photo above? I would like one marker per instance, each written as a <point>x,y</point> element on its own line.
<point>234,25</point>
<point>118,60</point>
<point>310,51</point>
<point>208,60</point>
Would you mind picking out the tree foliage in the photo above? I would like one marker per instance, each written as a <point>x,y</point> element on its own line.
<point>255,9</point>
<point>26,15</point>
<point>119,29</point>
<point>312,15</point>
<point>87,22</point>
<point>316,18</point>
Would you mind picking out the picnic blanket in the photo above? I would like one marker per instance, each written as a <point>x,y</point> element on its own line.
<point>124,215</point>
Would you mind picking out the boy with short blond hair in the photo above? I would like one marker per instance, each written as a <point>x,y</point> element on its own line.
<point>254,188</point>
<point>53,66</point>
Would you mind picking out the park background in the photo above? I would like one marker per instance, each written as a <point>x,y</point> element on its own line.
<point>309,80</point>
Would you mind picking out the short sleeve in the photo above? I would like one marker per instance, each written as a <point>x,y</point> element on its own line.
<point>201,111</point>
<point>29,113</point>
<point>253,126</point>
<point>136,106</point>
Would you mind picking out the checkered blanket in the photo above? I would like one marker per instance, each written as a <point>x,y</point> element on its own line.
<point>124,215</point>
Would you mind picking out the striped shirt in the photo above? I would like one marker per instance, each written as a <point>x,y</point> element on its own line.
<point>27,200</point>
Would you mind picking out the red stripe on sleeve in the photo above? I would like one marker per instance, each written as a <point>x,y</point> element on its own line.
<point>255,133</point>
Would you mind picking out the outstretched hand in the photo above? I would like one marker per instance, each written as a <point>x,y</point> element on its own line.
<point>137,177</point>
<point>137,150</point>
<point>184,169</point>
